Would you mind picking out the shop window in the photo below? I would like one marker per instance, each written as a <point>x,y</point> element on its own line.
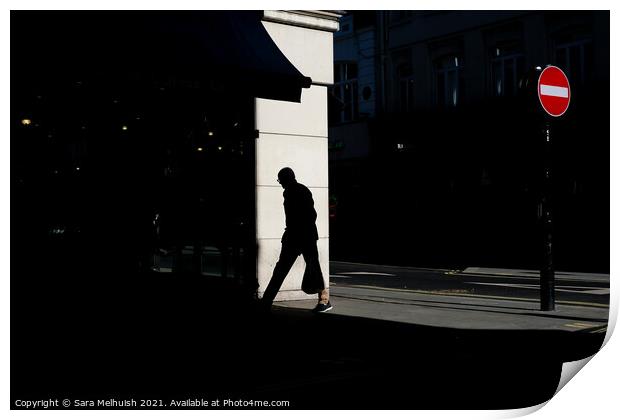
<point>344,93</point>
<point>507,67</point>
<point>146,180</point>
<point>448,83</point>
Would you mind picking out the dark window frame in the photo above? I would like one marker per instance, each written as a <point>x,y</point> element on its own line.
<point>346,80</point>
<point>509,58</point>
<point>448,78</point>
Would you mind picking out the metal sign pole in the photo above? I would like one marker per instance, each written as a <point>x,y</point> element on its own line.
<point>547,273</point>
<point>554,95</point>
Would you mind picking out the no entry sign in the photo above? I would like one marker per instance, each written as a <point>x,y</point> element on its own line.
<point>553,91</point>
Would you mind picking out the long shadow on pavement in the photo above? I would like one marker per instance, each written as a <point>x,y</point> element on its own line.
<point>156,340</point>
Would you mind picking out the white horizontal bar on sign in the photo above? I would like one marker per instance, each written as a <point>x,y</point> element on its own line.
<point>558,91</point>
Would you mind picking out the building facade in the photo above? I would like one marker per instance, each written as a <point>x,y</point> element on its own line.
<point>294,135</point>
<point>152,151</point>
<point>439,128</point>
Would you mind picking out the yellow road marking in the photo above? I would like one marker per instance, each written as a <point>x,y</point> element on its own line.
<point>594,328</point>
<point>579,325</point>
<point>599,330</point>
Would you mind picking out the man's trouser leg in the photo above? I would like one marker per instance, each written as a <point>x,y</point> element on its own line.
<point>288,255</point>
<point>311,257</point>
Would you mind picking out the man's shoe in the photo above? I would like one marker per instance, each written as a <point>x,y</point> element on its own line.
<point>322,307</point>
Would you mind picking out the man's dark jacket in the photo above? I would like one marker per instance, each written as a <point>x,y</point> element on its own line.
<point>300,215</point>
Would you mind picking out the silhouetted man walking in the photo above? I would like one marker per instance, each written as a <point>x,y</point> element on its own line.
<point>299,237</point>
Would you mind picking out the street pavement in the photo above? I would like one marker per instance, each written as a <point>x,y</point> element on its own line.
<point>453,339</point>
<point>474,298</point>
<point>397,338</point>
<point>584,289</point>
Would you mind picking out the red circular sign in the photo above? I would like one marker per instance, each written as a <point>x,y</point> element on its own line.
<point>553,91</point>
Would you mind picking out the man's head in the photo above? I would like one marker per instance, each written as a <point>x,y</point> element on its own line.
<point>286,177</point>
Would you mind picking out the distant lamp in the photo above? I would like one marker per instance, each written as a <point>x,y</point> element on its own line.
<point>199,149</point>
<point>124,128</point>
<point>219,147</point>
<point>26,121</point>
<point>210,133</point>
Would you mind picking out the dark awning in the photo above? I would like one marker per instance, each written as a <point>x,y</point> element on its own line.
<point>230,49</point>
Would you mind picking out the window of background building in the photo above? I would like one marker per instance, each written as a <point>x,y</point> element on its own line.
<point>345,93</point>
<point>575,58</point>
<point>404,75</point>
<point>448,83</point>
<point>507,67</point>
